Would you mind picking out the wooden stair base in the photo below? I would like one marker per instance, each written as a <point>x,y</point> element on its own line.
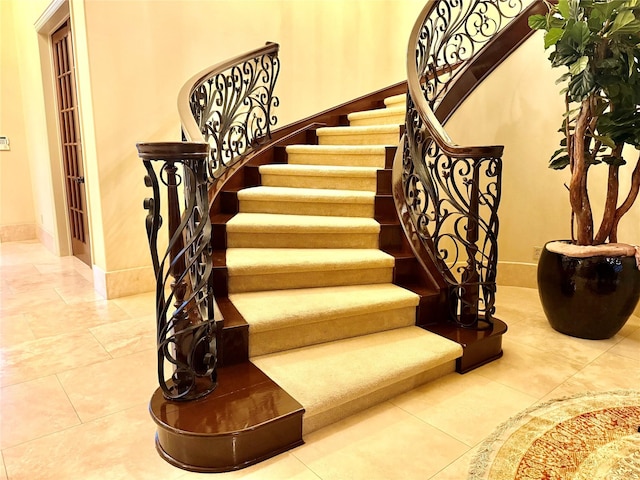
<point>479,346</point>
<point>245,420</point>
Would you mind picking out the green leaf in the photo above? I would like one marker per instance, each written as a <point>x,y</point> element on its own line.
<point>615,161</point>
<point>552,37</point>
<point>537,22</point>
<point>579,66</point>
<point>622,19</point>
<point>581,85</point>
<point>605,140</point>
<point>563,8</point>
<point>631,28</point>
<point>559,163</point>
<point>579,34</point>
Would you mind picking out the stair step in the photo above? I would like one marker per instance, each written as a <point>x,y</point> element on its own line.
<point>259,269</point>
<point>286,319</point>
<point>307,201</point>
<point>367,135</point>
<point>319,176</point>
<point>396,100</point>
<point>349,375</point>
<point>383,116</point>
<point>264,230</point>
<point>339,155</point>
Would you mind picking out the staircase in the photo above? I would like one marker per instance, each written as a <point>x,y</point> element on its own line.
<point>328,290</point>
<point>306,272</point>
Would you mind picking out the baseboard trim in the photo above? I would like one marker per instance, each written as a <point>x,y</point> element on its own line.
<point>518,274</point>
<point>17,233</point>
<point>123,283</point>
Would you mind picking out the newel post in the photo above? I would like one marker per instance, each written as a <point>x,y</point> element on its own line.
<point>186,327</point>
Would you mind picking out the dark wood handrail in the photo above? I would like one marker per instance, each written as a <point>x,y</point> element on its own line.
<point>430,120</point>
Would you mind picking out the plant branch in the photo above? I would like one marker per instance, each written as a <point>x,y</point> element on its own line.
<point>628,202</point>
<point>611,201</point>
<point>578,194</point>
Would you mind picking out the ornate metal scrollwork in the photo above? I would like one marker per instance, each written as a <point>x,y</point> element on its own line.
<point>233,109</point>
<point>452,193</point>
<point>186,327</point>
<point>452,34</point>
<point>226,112</point>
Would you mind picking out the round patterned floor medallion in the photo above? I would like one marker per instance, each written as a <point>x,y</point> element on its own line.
<point>590,436</point>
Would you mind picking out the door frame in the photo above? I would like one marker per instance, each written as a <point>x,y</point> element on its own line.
<point>54,16</point>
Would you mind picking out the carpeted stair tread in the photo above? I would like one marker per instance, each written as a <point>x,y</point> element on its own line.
<point>259,269</point>
<point>320,176</point>
<point>394,115</point>
<point>279,309</point>
<point>359,135</point>
<point>305,195</point>
<point>260,222</point>
<point>345,155</point>
<point>339,372</point>
<point>400,99</point>
<point>363,130</point>
<point>261,261</point>
<point>296,199</point>
<point>318,170</point>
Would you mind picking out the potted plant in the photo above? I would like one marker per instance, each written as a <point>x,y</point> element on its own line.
<point>596,43</point>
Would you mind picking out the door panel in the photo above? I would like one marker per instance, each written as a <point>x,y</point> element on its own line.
<point>71,144</point>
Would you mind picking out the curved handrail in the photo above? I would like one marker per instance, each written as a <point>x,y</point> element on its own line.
<point>229,106</point>
<point>450,193</point>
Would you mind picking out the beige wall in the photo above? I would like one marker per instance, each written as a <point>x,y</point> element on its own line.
<point>17,214</point>
<point>133,57</point>
<point>519,106</point>
<point>331,51</point>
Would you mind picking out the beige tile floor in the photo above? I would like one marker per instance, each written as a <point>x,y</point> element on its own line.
<point>77,371</point>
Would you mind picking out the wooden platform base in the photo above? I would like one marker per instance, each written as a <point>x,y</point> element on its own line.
<point>479,346</point>
<point>247,419</point>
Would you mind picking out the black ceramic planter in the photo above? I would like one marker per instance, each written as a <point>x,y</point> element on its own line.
<point>588,297</point>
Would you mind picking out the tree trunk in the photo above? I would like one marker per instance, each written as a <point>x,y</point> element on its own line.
<point>578,195</point>
<point>628,202</point>
<point>611,201</point>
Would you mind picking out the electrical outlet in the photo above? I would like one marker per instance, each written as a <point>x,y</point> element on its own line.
<point>536,253</point>
<point>4,143</point>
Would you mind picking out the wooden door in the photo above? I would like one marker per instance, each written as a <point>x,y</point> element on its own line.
<point>71,144</point>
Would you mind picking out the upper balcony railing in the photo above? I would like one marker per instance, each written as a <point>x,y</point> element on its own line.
<point>229,106</point>
<point>449,194</point>
<point>226,113</point>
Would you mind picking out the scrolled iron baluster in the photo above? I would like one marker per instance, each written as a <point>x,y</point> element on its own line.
<point>186,328</point>
<point>453,200</point>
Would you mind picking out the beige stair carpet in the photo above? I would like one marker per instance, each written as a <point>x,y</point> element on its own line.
<point>319,176</point>
<point>304,268</point>
<point>255,269</point>
<point>253,230</point>
<point>307,201</point>
<point>337,155</point>
<point>338,373</point>
<point>383,116</point>
<point>284,319</point>
<point>367,135</point>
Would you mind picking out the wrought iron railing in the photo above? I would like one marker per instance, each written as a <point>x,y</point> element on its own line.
<point>230,106</point>
<point>226,113</point>
<point>451,193</point>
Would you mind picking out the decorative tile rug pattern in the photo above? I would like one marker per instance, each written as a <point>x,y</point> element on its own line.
<point>593,436</point>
